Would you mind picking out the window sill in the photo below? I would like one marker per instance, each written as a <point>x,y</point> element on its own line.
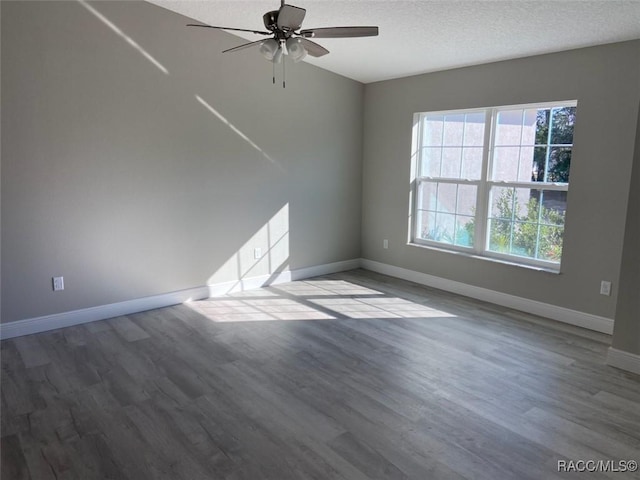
<point>486,259</point>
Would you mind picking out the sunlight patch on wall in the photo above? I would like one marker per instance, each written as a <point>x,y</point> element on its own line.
<point>237,131</point>
<point>126,37</point>
<point>270,243</point>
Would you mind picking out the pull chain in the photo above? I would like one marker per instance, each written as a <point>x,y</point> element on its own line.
<point>283,74</point>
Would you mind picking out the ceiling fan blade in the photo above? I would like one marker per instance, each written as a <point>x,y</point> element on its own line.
<point>290,17</point>
<point>313,48</point>
<point>339,32</point>
<point>243,46</point>
<point>230,28</point>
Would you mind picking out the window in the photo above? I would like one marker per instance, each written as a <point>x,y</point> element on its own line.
<point>494,182</point>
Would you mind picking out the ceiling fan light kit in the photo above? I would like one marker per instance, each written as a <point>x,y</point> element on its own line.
<point>287,38</point>
<point>269,49</point>
<point>295,49</point>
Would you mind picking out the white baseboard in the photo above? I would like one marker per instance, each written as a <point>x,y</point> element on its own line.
<point>623,360</point>
<point>91,314</point>
<point>86,315</point>
<point>76,317</point>
<point>326,269</point>
<point>282,277</point>
<point>561,314</point>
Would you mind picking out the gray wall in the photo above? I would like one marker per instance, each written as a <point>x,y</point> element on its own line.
<point>605,80</point>
<point>626,332</point>
<point>115,176</point>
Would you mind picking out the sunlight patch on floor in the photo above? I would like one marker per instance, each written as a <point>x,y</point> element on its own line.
<point>312,300</point>
<point>256,310</point>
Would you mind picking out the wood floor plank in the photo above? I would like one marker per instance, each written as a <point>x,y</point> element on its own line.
<point>372,463</point>
<point>279,404</point>
<point>606,445</point>
<point>98,460</point>
<point>350,376</point>
<point>127,329</point>
<point>12,462</point>
<point>18,393</point>
<point>39,467</point>
<point>32,353</point>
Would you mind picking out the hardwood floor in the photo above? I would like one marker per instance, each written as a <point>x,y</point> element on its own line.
<point>350,376</point>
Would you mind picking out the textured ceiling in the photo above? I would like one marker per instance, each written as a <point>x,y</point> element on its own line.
<point>426,36</point>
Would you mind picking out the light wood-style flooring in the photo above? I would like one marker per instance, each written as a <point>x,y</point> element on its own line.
<point>350,376</point>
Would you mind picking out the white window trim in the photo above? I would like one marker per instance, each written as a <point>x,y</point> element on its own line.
<point>484,185</point>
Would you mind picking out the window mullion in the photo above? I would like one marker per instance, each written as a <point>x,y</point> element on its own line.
<point>513,218</point>
<point>482,201</point>
<point>539,228</point>
<point>563,187</point>
<point>418,180</point>
<point>548,145</point>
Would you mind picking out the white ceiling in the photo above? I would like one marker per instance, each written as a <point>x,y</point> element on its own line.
<point>429,35</point>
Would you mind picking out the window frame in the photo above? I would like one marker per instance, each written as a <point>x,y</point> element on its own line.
<point>480,247</point>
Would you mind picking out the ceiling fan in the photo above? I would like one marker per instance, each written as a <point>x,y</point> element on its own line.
<point>283,27</point>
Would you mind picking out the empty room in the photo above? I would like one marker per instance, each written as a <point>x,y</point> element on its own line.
<point>323,240</point>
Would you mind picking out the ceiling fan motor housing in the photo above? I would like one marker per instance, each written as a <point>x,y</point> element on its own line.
<point>270,20</point>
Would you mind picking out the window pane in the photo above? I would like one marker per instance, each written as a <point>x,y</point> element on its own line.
<point>509,127</point>
<point>542,127</point>
<point>430,162</point>
<point>426,223</point>
<point>467,196</point>
<point>528,170</point>
<point>559,163</point>
<point>529,126</point>
<point>554,206</point>
<point>502,200</point>
<point>550,244</point>
<point>539,164</point>
<point>465,231</point>
<point>446,197</point>
<point>427,195</point>
<point>445,228</point>
<point>432,131</point>
<point>451,158</point>
<point>505,163</point>
<point>474,130</point>
<point>524,239</point>
<point>562,121</point>
<point>499,236</point>
<point>471,163</point>
<point>453,130</point>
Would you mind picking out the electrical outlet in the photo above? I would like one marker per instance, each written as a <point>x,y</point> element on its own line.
<point>58,283</point>
<point>385,243</point>
<point>257,253</point>
<point>605,288</point>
